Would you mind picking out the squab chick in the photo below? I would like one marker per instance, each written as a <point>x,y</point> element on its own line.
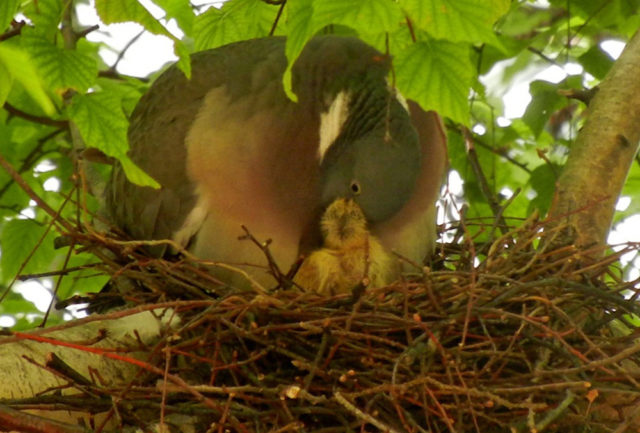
<point>349,257</point>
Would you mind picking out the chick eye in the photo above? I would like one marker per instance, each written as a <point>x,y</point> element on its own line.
<point>355,187</point>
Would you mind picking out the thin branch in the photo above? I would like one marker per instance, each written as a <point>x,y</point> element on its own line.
<point>85,32</point>
<point>15,31</point>
<point>502,154</point>
<point>64,271</point>
<point>264,247</point>
<point>583,95</point>
<point>362,415</point>
<point>30,160</point>
<point>282,4</point>
<point>482,181</point>
<point>32,194</point>
<point>33,118</point>
<point>122,52</point>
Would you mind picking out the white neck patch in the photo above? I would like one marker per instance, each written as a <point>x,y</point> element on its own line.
<point>331,122</point>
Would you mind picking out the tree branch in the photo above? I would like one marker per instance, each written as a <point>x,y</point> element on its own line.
<point>601,157</point>
<point>33,118</point>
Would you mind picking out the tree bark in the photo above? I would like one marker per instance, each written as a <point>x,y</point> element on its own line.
<point>103,350</point>
<point>599,160</point>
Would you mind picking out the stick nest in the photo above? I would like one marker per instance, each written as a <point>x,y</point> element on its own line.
<point>506,335</point>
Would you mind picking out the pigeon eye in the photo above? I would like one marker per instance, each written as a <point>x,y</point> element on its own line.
<point>355,187</point>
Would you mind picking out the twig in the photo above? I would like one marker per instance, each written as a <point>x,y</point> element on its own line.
<point>15,31</point>
<point>492,201</point>
<point>282,4</point>
<point>85,32</point>
<point>57,287</point>
<point>122,52</point>
<point>12,419</point>
<point>264,247</point>
<point>553,414</point>
<point>501,152</point>
<point>583,95</point>
<point>362,415</point>
<point>65,271</point>
<point>43,205</point>
<point>33,118</point>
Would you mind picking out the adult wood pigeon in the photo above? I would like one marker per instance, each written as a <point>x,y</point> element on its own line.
<point>230,149</point>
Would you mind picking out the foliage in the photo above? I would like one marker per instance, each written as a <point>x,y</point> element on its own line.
<point>457,57</point>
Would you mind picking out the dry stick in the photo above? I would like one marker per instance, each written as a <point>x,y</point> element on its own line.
<point>163,401</point>
<point>362,415</point>
<point>474,392</point>
<point>57,287</point>
<point>65,271</point>
<point>553,414</point>
<point>630,420</point>
<point>590,343</point>
<point>177,380</point>
<point>264,247</point>
<point>136,244</point>
<point>56,363</point>
<point>558,337</point>
<point>115,315</point>
<point>16,420</point>
<point>316,361</point>
<point>498,220</point>
<point>80,383</point>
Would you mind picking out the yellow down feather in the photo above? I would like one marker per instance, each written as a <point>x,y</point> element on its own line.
<point>349,257</point>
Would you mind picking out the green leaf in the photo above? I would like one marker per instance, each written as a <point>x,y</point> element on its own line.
<point>8,9</point>
<point>437,75</point>
<point>84,281</point>
<point>216,27</point>
<point>129,91</point>
<point>103,125</point>
<point>19,65</point>
<point>101,122</point>
<point>300,31</point>
<point>16,305</point>
<point>62,69</point>
<point>236,20</point>
<point>184,59</point>
<point>602,15</point>
<point>181,11</point>
<point>120,11</point>
<point>6,80</point>
<point>135,174</point>
<point>371,16</point>
<point>545,101</point>
<point>596,62</point>
<point>456,20</point>
<point>45,15</point>
<point>19,238</point>
<point>543,181</point>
